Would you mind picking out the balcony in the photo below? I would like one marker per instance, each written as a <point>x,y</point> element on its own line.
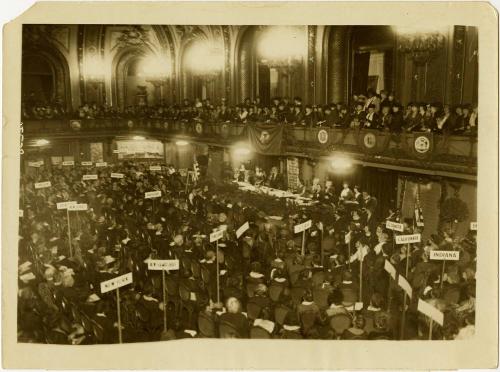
<point>454,156</point>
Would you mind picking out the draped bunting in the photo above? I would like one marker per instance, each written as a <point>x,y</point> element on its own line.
<point>265,139</point>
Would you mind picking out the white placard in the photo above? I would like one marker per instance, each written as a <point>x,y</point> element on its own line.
<point>403,283</point>
<point>429,310</point>
<point>152,194</point>
<point>302,226</point>
<point>408,239</point>
<point>163,264</point>
<point>396,226</point>
<point>86,163</point>
<point>390,269</point>
<point>78,207</point>
<point>116,151</point>
<point>87,177</point>
<point>35,164</point>
<point>42,185</point>
<point>64,205</point>
<point>101,164</point>
<point>216,235</point>
<point>242,229</point>
<point>473,226</point>
<point>155,168</point>
<point>115,283</point>
<point>21,213</point>
<point>445,255</point>
<point>68,162</point>
<point>117,175</point>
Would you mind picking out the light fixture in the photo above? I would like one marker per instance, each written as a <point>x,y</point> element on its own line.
<point>93,69</point>
<point>155,67</point>
<point>205,58</point>
<point>138,138</point>
<point>341,163</point>
<point>242,150</point>
<point>41,142</point>
<point>281,46</point>
<point>181,143</point>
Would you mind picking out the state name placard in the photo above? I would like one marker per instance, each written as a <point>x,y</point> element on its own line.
<point>473,226</point>
<point>86,163</point>
<point>429,310</point>
<point>216,235</point>
<point>35,164</point>
<point>302,226</point>
<point>42,185</point>
<point>163,264</point>
<point>152,194</point>
<point>78,207</point>
<point>88,177</point>
<point>68,162</point>
<point>155,168</point>
<point>403,283</point>
<point>396,226</point>
<point>390,269</point>
<point>64,205</point>
<point>116,175</point>
<point>408,239</point>
<point>115,283</point>
<point>445,255</point>
<point>242,229</point>
<point>101,164</point>
<point>21,213</point>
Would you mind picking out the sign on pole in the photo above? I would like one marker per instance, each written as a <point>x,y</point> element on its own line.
<point>216,235</point>
<point>155,168</point>
<point>242,229</point>
<point>77,207</point>
<point>429,310</point>
<point>390,269</point>
<point>302,226</point>
<point>87,177</point>
<point>42,185</point>
<point>396,226</point>
<point>21,213</point>
<point>101,164</point>
<point>152,194</point>
<point>64,205</point>
<point>117,175</point>
<point>68,162</point>
<point>445,255</point>
<point>35,164</point>
<point>408,239</point>
<point>473,226</point>
<point>86,163</point>
<point>115,283</point>
<point>403,283</point>
<point>163,265</point>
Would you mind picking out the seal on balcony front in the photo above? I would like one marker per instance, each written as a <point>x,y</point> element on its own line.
<point>422,144</point>
<point>370,140</point>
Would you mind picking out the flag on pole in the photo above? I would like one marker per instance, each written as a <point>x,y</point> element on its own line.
<point>419,215</point>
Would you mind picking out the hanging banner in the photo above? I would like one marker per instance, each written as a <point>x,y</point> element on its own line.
<point>292,171</point>
<point>265,139</point>
<point>429,310</point>
<point>408,239</point>
<point>445,255</point>
<point>115,283</point>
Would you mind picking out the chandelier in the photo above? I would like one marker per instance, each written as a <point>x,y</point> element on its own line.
<point>421,45</point>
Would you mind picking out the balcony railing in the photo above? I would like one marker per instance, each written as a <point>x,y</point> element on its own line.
<point>414,149</point>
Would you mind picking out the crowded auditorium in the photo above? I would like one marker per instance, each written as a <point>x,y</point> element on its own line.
<point>251,182</point>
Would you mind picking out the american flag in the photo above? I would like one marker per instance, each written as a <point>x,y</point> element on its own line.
<point>419,215</point>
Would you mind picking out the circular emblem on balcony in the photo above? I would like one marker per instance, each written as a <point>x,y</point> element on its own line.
<point>224,130</point>
<point>264,137</point>
<point>130,124</point>
<point>198,128</point>
<point>422,144</point>
<point>75,125</point>
<point>322,136</point>
<point>369,140</point>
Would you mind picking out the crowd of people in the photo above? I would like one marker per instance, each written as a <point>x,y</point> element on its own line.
<point>270,283</point>
<point>371,110</point>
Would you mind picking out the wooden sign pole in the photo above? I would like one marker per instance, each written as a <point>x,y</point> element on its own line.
<point>217,268</point>
<point>119,315</point>
<point>322,249</point>
<point>403,316</point>
<point>164,301</point>
<point>361,277</point>
<point>442,276</point>
<point>430,329</point>
<point>69,234</point>
<point>303,250</point>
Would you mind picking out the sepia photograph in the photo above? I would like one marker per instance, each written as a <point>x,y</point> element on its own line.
<point>248,181</point>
